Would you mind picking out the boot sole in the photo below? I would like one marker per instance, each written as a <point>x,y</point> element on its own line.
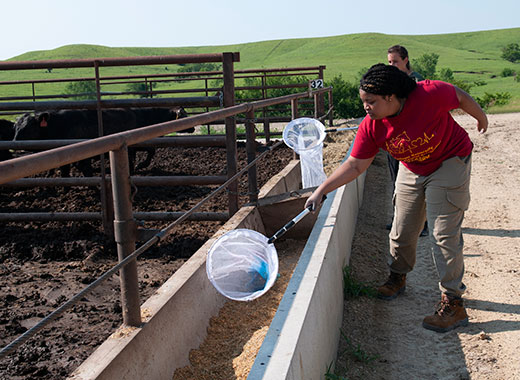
<point>461,323</point>
<point>393,296</point>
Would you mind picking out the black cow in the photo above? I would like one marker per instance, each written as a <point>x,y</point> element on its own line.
<point>83,124</point>
<point>150,116</point>
<point>6,134</point>
<point>72,124</point>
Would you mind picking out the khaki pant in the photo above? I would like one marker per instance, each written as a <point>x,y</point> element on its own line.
<point>441,198</point>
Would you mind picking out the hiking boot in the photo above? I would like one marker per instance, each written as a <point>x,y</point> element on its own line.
<point>450,314</point>
<point>394,286</point>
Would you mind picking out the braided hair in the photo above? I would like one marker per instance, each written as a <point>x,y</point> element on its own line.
<point>383,79</point>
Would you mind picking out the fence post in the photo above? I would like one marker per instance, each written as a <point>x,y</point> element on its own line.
<point>208,126</point>
<point>231,131</point>
<point>107,228</point>
<point>267,129</point>
<point>321,98</point>
<point>294,115</point>
<point>251,155</point>
<point>316,105</point>
<point>125,230</point>
<point>331,107</point>
<point>294,109</point>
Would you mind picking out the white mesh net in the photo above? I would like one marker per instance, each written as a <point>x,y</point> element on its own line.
<point>241,265</point>
<point>305,136</point>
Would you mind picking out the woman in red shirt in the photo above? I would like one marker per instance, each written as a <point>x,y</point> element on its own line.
<point>412,122</point>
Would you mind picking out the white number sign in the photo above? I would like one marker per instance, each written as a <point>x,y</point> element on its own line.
<point>316,83</point>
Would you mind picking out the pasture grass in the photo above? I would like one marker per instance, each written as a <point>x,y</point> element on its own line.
<point>472,56</point>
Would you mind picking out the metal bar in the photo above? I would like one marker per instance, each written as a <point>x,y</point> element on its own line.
<point>103,193</point>
<point>176,76</point>
<point>96,216</point>
<point>199,101</point>
<point>231,144</point>
<point>49,216</point>
<point>125,61</point>
<point>159,142</point>
<point>321,98</point>
<point>316,106</point>
<point>125,233</point>
<point>251,155</point>
<point>168,216</point>
<point>294,115</point>
<point>136,181</point>
<point>294,109</point>
<point>331,105</point>
<point>267,131</point>
<point>111,93</point>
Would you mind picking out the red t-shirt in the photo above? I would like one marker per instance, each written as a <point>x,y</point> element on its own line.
<point>422,136</point>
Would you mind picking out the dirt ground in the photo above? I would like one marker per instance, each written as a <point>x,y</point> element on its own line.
<point>385,339</point>
<point>44,264</point>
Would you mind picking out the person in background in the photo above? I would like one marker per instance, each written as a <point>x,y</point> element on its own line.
<point>412,121</point>
<point>398,57</point>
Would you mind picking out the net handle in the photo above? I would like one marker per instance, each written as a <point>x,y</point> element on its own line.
<point>291,223</point>
<point>340,129</point>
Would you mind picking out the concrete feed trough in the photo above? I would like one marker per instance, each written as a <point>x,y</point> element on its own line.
<point>303,337</point>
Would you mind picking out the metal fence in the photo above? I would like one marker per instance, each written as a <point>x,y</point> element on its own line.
<point>124,217</point>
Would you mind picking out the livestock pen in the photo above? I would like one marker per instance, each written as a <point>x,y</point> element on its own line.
<point>157,98</point>
<point>28,165</point>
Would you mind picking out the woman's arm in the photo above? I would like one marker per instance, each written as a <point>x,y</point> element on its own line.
<point>347,172</point>
<point>471,107</point>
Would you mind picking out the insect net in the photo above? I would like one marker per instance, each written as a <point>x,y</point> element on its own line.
<point>242,265</point>
<point>305,136</point>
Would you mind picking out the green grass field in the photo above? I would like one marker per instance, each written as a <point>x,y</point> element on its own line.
<point>472,56</point>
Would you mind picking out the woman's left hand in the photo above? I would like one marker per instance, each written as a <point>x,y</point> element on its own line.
<point>482,125</point>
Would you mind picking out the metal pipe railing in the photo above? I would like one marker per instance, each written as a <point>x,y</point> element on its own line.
<point>123,217</point>
<point>124,61</point>
<point>35,163</point>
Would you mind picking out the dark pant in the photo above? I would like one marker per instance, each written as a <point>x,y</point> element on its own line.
<point>393,166</point>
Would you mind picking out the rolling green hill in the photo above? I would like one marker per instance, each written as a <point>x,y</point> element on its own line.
<point>472,56</point>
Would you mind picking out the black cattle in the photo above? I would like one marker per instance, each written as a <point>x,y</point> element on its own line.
<point>6,134</point>
<point>72,124</point>
<point>83,124</point>
<point>150,116</point>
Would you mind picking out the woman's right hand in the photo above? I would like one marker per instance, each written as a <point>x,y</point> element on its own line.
<point>314,200</point>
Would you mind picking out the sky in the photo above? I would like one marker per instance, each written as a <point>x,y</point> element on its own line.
<point>29,25</point>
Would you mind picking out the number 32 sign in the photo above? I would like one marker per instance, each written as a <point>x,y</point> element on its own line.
<point>316,83</point>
